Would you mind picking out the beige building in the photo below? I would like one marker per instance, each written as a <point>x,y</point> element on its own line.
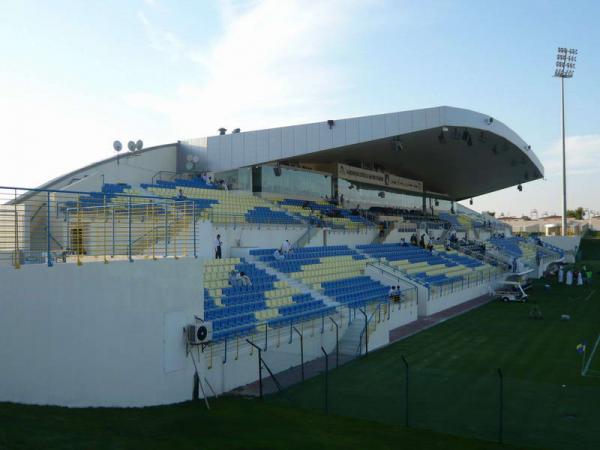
<point>550,225</point>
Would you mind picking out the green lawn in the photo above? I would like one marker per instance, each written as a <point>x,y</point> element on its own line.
<point>232,423</point>
<point>454,383</point>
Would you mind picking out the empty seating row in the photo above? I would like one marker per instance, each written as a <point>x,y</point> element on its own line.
<point>223,206</point>
<point>246,309</point>
<point>323,213</point>
<point>338,271</point>
<point>428,268</point>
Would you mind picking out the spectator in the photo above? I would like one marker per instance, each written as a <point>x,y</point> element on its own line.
<point>278,254</point>
<point>394,293</point>
<point>569,277</point>
<point>245,279</point>
<point>233,278</point>
<point>286,247</point>
<point>561,275</point>
<point>305,205</point>
<point>413,239</point>
<point>342,200</point>
<point>422,241</point>
<point>180,195</point>
<point>218,247</point>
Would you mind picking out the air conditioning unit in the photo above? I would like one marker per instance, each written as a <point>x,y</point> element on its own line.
<point>199,334</point>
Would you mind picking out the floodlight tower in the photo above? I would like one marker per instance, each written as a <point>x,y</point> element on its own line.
<point>565,67</point>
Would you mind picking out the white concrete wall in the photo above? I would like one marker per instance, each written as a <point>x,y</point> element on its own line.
<point>395,237</point>
<point>253,236</point>
<point>342,237</point>
<point>96,334</point>
<point>432,306</point>
<point>238,366</point>
<point>568,243</point>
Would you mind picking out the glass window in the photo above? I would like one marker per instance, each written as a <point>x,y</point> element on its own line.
<point>371,196</point>
<point>238,179</point>
<point>295,182</point>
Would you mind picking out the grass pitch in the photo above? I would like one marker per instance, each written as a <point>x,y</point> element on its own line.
<point>232,423</point>
<point>454,385</point>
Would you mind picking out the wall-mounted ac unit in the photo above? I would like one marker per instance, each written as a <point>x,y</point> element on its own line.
<point>199,334</point>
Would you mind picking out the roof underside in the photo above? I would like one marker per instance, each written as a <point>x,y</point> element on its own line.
<point>451,167</point>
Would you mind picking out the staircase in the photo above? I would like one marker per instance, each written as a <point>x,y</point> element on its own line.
<point>292,281</point>
<point>303,240</point>
<point>350,341</point>
<point>381,239</point>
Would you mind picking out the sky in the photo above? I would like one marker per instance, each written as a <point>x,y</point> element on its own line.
<point>75,76</point>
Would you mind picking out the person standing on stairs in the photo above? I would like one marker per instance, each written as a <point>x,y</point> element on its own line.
<point>218,246</point>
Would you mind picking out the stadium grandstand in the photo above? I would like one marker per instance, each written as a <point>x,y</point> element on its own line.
<point>140,278</point>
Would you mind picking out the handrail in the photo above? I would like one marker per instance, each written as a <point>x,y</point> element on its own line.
<point>161,172</point>
<point>37,211</point>
<point>366,328</point>
<point>61,246</point>
<point>310,232</point>
<point>394,274</point>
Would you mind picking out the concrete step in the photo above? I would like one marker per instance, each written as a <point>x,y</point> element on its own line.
<point>292,281</point>
<point>348,344</point>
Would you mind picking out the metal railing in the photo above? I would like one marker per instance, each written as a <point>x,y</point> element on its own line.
<point>443,288</point>
<point>467,281</point>
<point>61,226</point>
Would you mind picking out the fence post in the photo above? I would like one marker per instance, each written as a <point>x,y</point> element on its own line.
<point>337,343</point>
<point>260,384</point>
<point>166,230</point>
<point>366,331</point>
<point>48,232</point>
<point>326,380</point>
<point>194,226</point>
<point>301,352</point>
<point>406,374</point>
<point>113,231</point>
<point>129,230</point>
<point>104,229</point>
<point>501,407</point>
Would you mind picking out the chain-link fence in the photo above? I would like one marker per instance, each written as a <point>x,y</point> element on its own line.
<point>489,405</point>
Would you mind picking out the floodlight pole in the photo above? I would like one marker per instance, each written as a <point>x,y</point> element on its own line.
<point>564,159</point>
<point>565,67</point>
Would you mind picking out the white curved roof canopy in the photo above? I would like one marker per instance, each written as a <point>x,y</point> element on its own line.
<point>494,157</point>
